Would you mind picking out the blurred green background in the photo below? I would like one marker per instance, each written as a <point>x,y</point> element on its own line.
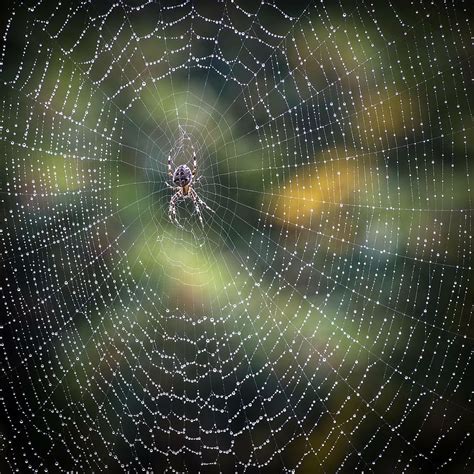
<point>321,317</point>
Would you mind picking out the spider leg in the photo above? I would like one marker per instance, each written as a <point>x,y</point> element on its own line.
<point>172,208</point>
<point>195,198</point>
<point>170,172</point>
<point>194,163</point>
<point>200,201</point>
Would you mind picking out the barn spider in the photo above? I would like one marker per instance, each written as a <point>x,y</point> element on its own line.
<point>183,179</point>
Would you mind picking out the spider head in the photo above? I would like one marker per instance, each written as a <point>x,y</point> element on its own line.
<point>182,176</point>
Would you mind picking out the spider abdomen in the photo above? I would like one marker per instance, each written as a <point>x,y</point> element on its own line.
<point>182,176</point>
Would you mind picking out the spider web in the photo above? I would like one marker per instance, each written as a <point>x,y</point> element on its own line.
<point>320,320</point>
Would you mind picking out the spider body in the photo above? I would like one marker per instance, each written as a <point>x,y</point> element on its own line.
<point>183,178</point>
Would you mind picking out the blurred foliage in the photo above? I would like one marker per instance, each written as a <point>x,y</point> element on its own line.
<point>332,282</point>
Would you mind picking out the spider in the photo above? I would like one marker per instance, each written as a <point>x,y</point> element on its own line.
<point>183,179</point>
